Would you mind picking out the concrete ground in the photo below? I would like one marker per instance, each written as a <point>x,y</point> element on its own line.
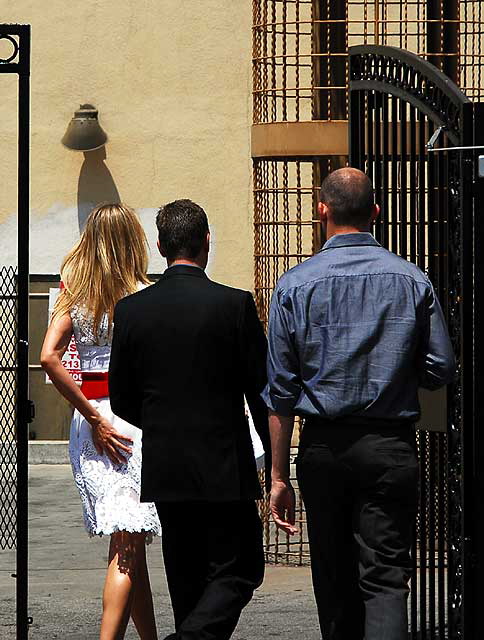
<point>67,573</point>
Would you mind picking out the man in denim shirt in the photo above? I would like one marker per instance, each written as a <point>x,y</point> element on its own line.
<point>353,333</point>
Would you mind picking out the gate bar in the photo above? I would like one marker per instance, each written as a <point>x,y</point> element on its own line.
<point>23,408</point>
<point>478,470</point>
<point>467,610</point>
<point>467,148</point>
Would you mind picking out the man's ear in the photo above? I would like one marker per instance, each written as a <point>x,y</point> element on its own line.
<point>207,241</point>
<point>375,213</point>
<point>323,212</point>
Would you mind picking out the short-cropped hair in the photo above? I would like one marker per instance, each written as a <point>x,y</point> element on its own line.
<point>182,229</point>
<point>348,193</point>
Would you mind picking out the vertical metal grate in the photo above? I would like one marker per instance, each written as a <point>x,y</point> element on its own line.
<point>279,547</point>
<point>423,195</point>
<point>300,49</point>
<point>428,588</point>
<point>471,48</point>
<point>8,411</point>
<point>282,60</point>
<point>300,73</point>
<point>412,188</point>
<point>283,222</point>
<point>284,236</point>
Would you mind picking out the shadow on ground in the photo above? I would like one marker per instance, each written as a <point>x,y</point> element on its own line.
<point>67,572</point>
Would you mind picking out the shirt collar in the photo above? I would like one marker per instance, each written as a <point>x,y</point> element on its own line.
<point>363,239</point>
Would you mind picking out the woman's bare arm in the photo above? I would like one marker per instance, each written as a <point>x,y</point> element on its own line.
<point>105,438</point>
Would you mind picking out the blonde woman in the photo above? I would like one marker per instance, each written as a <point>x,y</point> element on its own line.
<point>109,262</point>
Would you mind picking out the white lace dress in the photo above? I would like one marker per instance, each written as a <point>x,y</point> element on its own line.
<point>109,493</point>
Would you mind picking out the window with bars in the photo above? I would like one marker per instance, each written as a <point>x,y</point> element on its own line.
<point>300,49</point>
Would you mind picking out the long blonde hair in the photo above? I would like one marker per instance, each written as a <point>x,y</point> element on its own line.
<point>108,263</point>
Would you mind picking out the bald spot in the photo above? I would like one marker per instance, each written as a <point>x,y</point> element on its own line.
<point>348,194</point>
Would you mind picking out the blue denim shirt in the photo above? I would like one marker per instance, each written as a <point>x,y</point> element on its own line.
<point>354,331</point>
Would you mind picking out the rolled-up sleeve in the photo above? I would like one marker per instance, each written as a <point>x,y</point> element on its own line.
<point>436,361</point>
<point>283,387</point>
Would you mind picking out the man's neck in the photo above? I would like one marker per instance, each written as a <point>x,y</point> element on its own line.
<point>185,261</point>
<point>337,230</point>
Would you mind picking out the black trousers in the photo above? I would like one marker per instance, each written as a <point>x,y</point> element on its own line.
<point>359,486</point>
<point>214,559</point>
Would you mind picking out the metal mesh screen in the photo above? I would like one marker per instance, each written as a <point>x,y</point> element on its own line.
<point>8,382</point>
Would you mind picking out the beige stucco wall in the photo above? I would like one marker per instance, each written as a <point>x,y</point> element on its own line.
<point>171,80</point>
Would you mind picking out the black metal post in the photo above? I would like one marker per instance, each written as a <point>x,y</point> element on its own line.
<point>356,130</point>
<point>434,46</point>
<point>377,182</point>
<point>467,373</point>
<point>23,405</point>
<point>329,45</point>
<point>330,35</point>
<point>443,36</point>
<point>477,557</point>
<point>450,39</point>
<point>385,192</point>
<point>394,175</point>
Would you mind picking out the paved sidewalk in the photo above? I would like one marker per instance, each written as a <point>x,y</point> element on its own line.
<point>67,573</point>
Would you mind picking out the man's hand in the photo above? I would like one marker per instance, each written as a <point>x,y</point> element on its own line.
<point>283,506</point>
<point>108,441</point>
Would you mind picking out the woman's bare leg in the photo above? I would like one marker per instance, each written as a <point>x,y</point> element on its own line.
<point>142,611</point>
<point>119,586</point>
<point>127,589</point>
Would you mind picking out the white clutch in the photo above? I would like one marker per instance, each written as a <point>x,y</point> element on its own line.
<point>256,441</point>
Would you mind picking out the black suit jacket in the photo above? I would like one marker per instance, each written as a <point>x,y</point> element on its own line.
<point>185,352</point>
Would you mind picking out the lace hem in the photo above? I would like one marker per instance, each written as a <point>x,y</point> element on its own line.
<point>150,535</point>
<point>110,494</point>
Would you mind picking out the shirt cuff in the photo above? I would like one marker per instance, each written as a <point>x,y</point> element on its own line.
<point>277,404</point>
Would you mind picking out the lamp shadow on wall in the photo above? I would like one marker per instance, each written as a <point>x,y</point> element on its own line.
<point>96,185</point>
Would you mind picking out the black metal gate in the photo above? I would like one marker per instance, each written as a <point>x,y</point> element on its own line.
<point>406,120</point>
<point>15,408</point>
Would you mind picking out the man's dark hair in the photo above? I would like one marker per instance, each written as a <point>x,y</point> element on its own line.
<point>182,229</point>
<point>348,193</point>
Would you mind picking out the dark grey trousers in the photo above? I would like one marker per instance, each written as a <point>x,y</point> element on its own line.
<point>359,486</point>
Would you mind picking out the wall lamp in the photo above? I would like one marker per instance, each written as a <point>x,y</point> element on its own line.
<point>84,133</point>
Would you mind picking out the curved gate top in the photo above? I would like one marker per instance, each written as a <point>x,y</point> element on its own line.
<point>415,134</point>
<point>412,79</point>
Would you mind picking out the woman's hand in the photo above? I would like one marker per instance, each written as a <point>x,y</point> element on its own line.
<point>105,438</point>
<point>108,441</point>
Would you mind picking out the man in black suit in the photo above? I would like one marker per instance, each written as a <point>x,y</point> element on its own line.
<point>185,352</point>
